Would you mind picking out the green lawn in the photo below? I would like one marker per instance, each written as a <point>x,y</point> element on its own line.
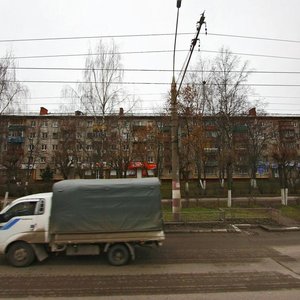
<point>203,214</point>
<point>292,212</point>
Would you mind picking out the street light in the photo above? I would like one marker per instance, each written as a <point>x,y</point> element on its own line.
<point>176,195</point>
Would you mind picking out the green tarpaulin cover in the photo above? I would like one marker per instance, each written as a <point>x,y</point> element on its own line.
<point>106,205</point>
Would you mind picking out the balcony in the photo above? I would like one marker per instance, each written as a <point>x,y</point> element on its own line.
<point>16,139</point>
<point>240,129</point>
<point>16,127</point>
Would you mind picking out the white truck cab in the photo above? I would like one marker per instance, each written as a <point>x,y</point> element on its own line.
<point>25,221</point>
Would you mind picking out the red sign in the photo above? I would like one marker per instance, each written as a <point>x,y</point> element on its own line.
<point>141,165</point>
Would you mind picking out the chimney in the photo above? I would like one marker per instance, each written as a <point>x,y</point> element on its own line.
<point>43,111</point>
<point>121,112</point>
<point>78,113</point>
<point>252,112</point>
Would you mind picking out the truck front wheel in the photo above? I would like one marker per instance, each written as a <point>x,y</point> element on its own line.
<point>20,254</point>
<point>118,255</point>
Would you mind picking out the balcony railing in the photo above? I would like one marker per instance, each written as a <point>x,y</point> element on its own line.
<point>16,139</point>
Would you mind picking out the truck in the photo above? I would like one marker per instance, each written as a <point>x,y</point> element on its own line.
<point>83,217</point>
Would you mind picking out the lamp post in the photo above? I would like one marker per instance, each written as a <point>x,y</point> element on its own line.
<point>176,195</point>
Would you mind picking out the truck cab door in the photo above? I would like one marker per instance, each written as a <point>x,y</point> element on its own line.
<point>19,220</point>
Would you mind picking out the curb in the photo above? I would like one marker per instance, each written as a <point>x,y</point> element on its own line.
<point>235,228</point>
<point>198,231</point>
<point>280,229</point>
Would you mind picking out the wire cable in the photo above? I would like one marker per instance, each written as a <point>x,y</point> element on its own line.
<point>144,35</point>
<point>145,83</point>
<point>150,52</point>
<point>148,70</point>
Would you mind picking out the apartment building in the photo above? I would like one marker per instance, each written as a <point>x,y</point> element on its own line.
<point>81,146</point>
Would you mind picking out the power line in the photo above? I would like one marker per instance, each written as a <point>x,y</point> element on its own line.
<point>153,52</point>
<point>144,83</point>
<point>255,37</point>
<point>130,94</point>
<point>94,54</point>
<point>88,37</point>
<point>161,94</point>
<point>150,101</point>
<point>148,70</point>
<point>144,35</point>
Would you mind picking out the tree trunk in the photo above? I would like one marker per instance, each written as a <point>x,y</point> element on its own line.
<point>284,196</point>
<point>253,183</point>
<point>229,198</point>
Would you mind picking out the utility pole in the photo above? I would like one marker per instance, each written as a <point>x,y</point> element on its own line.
<point>176,194</point>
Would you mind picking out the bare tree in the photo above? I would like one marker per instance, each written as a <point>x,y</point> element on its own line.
<point>259,134</point>
<point>100,93</point>
<point>229,100</point>
<point>161,139</point>
<point>192,108</point>
<point>67,154</point>
<point>33,152</point>
<point>284,154</point>
<point>11,91</point>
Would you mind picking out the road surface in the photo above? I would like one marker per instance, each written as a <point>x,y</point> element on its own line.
<point>252,264</point>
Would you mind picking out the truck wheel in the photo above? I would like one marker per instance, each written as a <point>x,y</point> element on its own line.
<point>20,254</point>
<point>118,255</point>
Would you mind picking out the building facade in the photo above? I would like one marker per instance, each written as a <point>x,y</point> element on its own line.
<point>80,146</point>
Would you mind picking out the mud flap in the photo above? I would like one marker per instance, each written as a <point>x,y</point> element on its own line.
<point>131,250</point>
<point>40,251</point>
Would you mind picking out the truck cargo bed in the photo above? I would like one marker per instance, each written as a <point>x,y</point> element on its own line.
<point>113,237</point>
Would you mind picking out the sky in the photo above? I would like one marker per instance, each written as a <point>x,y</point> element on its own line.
<point>266,33</point>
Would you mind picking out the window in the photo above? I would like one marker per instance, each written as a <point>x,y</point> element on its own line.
<point>150,159</point>
<point>44,147</point>
<point>44,135</point>
<point>89,123</point>
<point>30,147</point>
<point>44,124</point>
<point>89,147</point>
<point>55,135</point>
<point>54,147</point>
<point>55,124</point>
<point>32,135</point>
<point>90,135</point>
<point>33,123</point>
<point>20,209</point>
<point>43,159</point>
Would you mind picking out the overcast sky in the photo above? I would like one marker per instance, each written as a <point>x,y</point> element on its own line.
<point>266,19</point>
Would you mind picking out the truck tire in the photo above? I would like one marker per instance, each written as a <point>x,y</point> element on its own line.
<point>20,254</point>
<point>118,255</point>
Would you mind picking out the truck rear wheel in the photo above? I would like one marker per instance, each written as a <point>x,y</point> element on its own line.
<point>20,254</point>
<point>118,255</point>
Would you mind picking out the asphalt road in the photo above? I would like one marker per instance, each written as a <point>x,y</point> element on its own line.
<point>252,264</point>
